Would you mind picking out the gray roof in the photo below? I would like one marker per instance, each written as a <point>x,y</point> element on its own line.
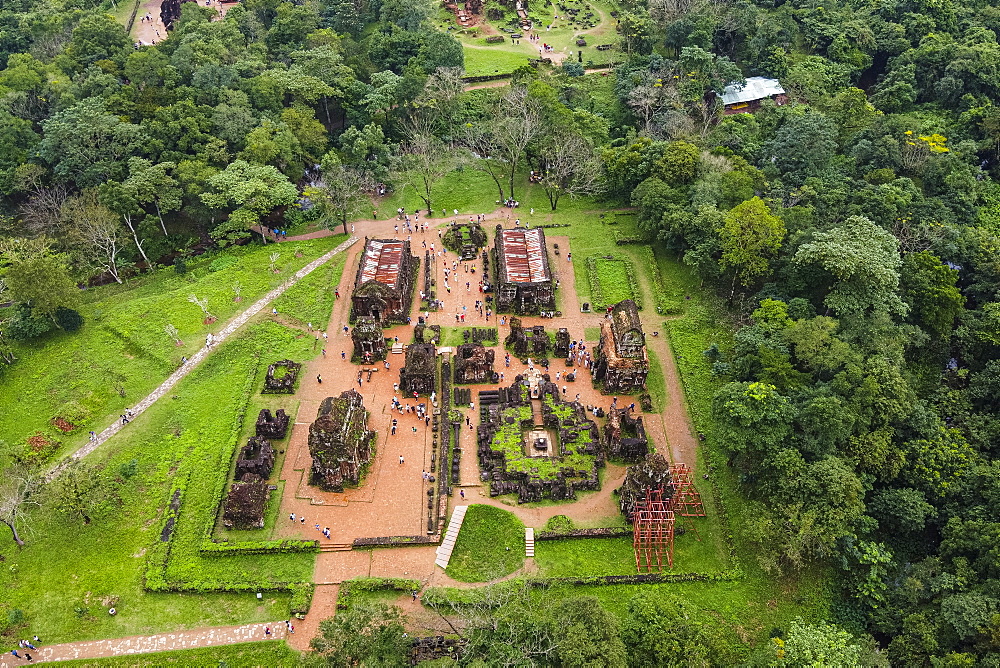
<point>755,88</point>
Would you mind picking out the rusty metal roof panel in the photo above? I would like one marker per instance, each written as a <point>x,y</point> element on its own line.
<point>524,255</point>
<point>381,262</point>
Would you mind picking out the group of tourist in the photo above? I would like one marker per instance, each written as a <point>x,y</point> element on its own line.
<point>24,646</point>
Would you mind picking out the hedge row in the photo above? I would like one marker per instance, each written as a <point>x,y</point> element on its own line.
<point>348,587</point>
<point>600,532</point>
<point>396,541</point>
<point>213,547</point>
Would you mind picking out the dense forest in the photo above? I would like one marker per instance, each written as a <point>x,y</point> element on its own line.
<point>853,232</point>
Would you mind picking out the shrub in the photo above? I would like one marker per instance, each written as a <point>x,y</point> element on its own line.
<point>559,524</point>
<point>27,325</point>
<point>222,262</point>
<point>180,265</point>
<point>68,319</point>
<point>572,69</point>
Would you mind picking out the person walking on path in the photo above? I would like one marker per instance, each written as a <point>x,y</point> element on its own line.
<point>461,493</point>
<point>401,460</point>
<point>319,378</point>
<point>267,631</point>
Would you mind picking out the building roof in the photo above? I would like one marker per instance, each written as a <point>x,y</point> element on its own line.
<point>381,261</point>
<point>755,88</point>
<point>524,257</point>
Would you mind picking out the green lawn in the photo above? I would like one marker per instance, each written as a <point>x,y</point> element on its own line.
<point>490,545</point>
<point>64,578</point>
<point>249,655</point>
<point>122,352</point>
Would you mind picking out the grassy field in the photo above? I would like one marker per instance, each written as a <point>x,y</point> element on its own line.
<point>490,545</point>
<point>69,573</point>
<point>122,352</point>
<point>241,655</point>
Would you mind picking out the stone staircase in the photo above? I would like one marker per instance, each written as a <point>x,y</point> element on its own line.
<point>397,349</point>
<point>529,542</point>
<point>336,547</point>
<point>450,536</point>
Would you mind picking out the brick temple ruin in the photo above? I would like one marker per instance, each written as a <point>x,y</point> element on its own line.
<point>383,287</point>
<point>621,363</point>
<point>474,364</point>
<point>625,435</point>
<point>524,281</point>
<point>368,339</point>
<point>245,503</point>
<point>271,427</point>
<point>532,443</point>
<point>340,442</point>
<point>531,342</point>
<point>256,457</point>
<point>419,371</point>
<point>466,239</point>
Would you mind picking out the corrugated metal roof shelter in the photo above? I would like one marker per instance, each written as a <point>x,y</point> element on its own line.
<point>525,260</point>
<point>384,285</point>
<point>381,262</point>
<point>523,277</point>
<point>755,88</point>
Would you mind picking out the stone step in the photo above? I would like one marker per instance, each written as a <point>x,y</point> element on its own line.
<point>529,542</point>
<point>336,547</point>
<point>397,349</point>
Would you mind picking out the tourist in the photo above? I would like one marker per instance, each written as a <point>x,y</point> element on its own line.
<point>343,354</point>
<point>323,350</point>
<point>291,516</point>
<point>401,460</point>
<point>461,493</point>
<point>319,379</point>
<point>302,519</point>
<point>267,631</point>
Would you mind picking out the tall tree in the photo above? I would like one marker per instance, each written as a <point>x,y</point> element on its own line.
<point>96,227</point>
<point>363,635</point>
<point>88,145</point>
<point>251,191</point>
<point>122,198</point>
<point>516,122</point>
<point>153,184</point>
<point>425,160</point>
<point>342,193</point>
<point>749,234</point>
<point>864,262</point>
<point>40,280</point>
<point>569,167</point>
<point>19,488</point>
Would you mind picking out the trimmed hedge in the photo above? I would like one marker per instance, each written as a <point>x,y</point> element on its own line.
<point>600,532</point>
<point>348,587</point>
<point>396,541</point>
<point>212,547</point>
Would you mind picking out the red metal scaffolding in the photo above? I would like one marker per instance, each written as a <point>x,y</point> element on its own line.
<point>653,533</point>
<point>654,519</point>
<point>686,500</point>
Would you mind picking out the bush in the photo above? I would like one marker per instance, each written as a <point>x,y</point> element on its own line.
<point>572,69</point>
<point>27,325</point>
<point>559,524</point>
<point>302,594</point>
<point>222,262</point>
<point>180,265</point>
<point>68,319</point>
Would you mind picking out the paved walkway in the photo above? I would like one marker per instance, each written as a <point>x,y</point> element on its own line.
<point>197,358</point>
<point>161,642</point>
